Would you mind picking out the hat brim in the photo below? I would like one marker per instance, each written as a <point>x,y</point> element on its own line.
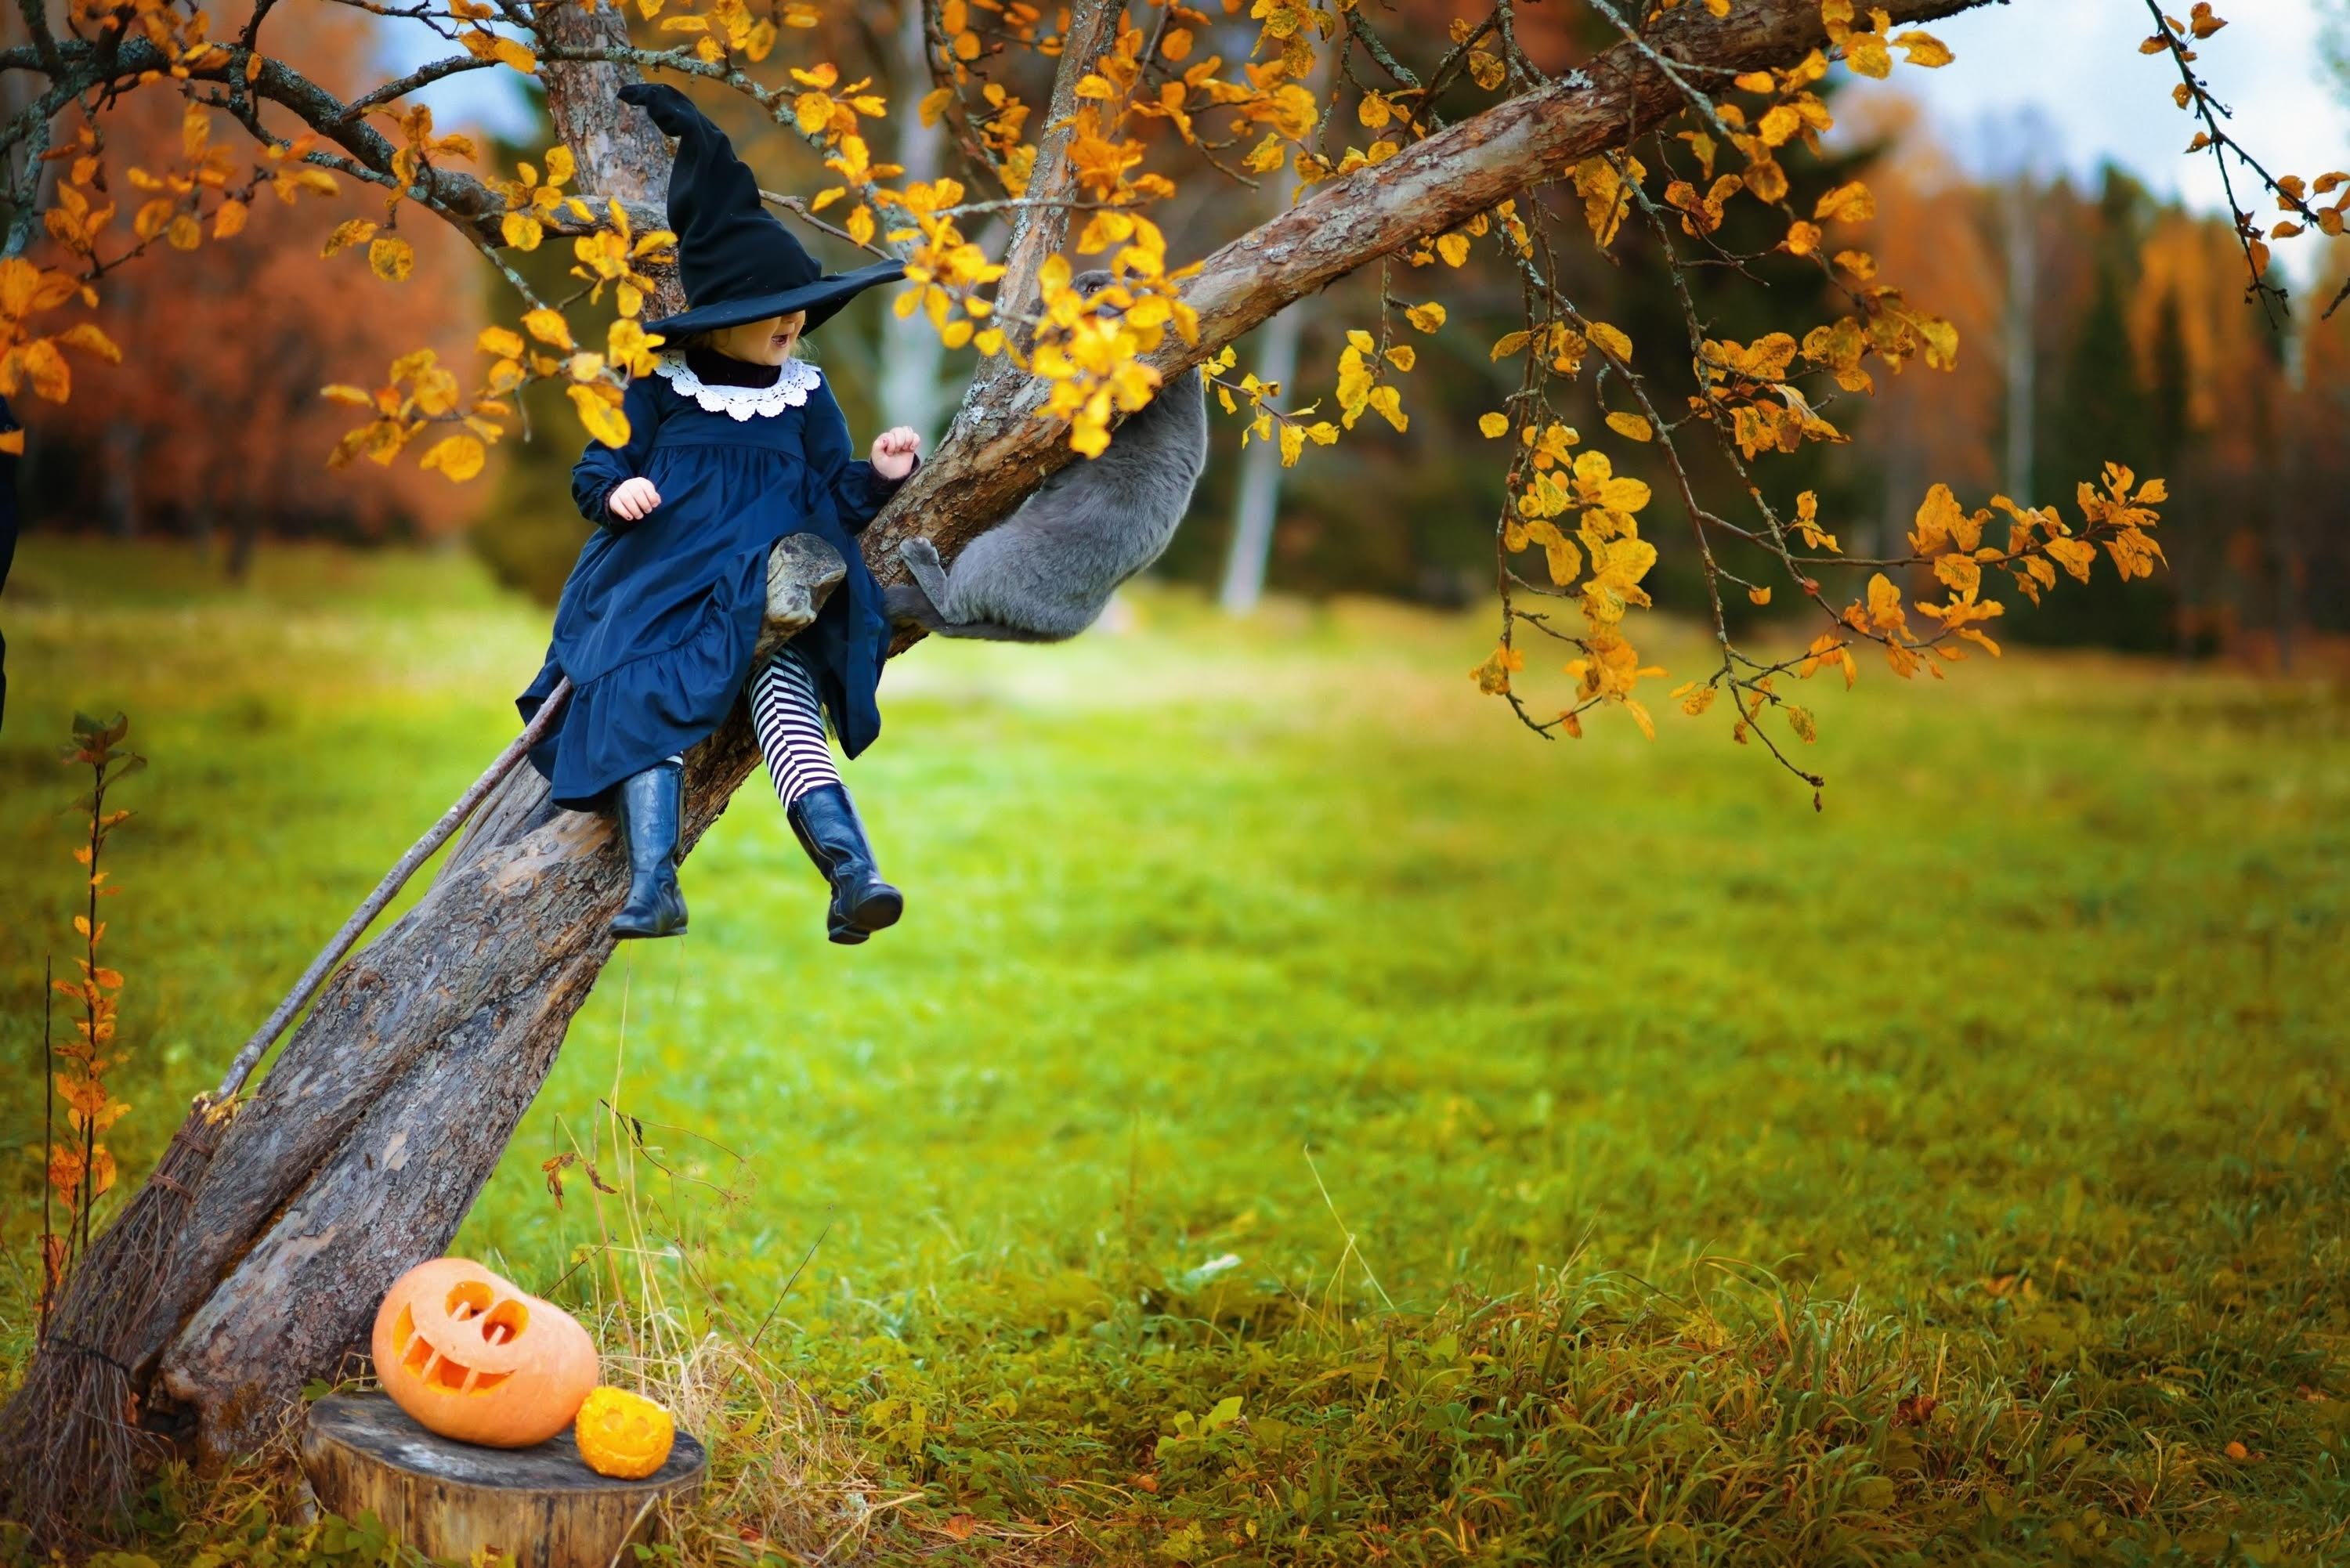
<point>822,299</point>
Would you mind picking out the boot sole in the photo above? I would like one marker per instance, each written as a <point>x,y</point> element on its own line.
<point>875,914</point>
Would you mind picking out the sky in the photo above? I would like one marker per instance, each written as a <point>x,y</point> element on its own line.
<point>2061,80</point>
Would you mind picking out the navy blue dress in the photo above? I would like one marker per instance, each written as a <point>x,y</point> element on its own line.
<point>659,616</point>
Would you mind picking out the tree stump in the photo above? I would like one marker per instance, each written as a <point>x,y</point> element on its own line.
<point>541,1506</point>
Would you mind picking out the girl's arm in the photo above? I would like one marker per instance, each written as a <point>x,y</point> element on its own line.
<point>601,468</point>
<point>859,493</point>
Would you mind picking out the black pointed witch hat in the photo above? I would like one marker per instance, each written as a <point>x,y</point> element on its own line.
<point>737,263</point>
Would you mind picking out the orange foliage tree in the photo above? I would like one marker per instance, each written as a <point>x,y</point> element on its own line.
<point>211,421</point>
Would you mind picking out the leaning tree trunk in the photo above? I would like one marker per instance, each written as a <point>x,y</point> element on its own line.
<point>375,1131</point>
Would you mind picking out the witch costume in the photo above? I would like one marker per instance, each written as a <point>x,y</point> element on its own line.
<point>661,619</point>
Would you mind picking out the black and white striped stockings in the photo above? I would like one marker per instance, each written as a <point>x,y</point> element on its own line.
<point>790,722</point>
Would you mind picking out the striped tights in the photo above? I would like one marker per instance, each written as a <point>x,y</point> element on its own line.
<point>790,722</point>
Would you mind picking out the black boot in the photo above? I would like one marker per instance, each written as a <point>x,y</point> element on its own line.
<point>649,808</point>
<point>829,830</point>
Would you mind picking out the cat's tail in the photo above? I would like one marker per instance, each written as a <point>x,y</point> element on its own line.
<point>907,604</point>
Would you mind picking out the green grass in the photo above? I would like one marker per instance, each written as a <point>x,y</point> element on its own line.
<point>1953,1174</point>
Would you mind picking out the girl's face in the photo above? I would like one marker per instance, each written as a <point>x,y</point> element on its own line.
<point>767,342</point>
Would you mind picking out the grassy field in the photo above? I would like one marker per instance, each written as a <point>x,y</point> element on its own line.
<point>1305,1119</point>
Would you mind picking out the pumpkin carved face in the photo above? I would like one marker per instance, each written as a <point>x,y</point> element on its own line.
<point>470,1356</point>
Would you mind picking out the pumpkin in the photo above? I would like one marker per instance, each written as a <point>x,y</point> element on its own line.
<point>623,1434</point>
<point>470,1356</point>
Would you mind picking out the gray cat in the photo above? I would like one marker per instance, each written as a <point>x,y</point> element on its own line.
<point>1044,574</point>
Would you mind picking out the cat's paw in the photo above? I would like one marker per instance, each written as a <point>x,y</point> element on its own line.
<point>918,552</point>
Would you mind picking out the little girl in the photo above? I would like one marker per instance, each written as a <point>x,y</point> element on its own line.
<point>733,445</point>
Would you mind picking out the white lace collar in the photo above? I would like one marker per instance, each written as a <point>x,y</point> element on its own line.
<point>791,388</point>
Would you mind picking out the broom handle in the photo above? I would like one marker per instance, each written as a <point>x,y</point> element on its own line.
<point>388,888</point>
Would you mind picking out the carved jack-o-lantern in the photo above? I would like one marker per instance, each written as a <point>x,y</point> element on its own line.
<point>471,1358</point>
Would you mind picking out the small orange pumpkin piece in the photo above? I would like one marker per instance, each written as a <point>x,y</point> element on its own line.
<point>623,1434</point>
<point>470,1356</point>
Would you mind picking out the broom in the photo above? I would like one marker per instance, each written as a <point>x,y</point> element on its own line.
<point>73,1450</point>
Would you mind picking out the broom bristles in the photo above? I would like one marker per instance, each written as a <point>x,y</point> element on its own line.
<point>76,1451</point>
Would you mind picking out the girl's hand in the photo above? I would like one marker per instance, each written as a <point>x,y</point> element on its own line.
<point>633,499</point>
<point>894,451</point>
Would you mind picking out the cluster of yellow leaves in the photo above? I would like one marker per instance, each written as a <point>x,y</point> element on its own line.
<point>176,28</point>
<point>531,202</point>
<point>2039,541</point>
<point>1019,25</point>
<point>1118,74</point>
<point>1362,386</point>
<point>1091,349</point>
<point>173,211</point>
<point>827,114</point>
<point>1454,247</point>
<point>1605,553</point>
<point>1868,50</point>
<point>611,255</point>
<point>420,391</point>
<point>27,290</point>
<point>1562,346</point>
<point>485,45</point>
<point>730,28</point>
<point>1265,421</point>
<point>947,270</point>
<point>1748,382</point>
<point>1607,191</point>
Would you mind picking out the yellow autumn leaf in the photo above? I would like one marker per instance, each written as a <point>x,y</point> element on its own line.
<point>1427,318</point>
<point>1924,49</point>
<point>934,104</point>
<point>1618,347</point>
<point>348,396</point>
<point>457,457</point>
<point>1494,426</point>
<point>349,232</point>
<point>1453,248</point>
<point>549,327</point>
<point>229,218</point>
<point>1866,53</point>
<point>604,420</point>
<point>859,225</point>
<point>522,230</point>
<point>1293,442</point>
<point>392,258</point>
<point>502,341</point>
<point>1632,427</point>
<point>185,232</point>
<point>1403,356</point>
<point>1850,204</point>
<point>1758,596</point>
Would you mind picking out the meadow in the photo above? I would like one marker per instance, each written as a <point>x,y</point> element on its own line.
<point>1304,1118</point>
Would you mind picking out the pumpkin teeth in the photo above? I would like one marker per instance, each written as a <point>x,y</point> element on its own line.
<point>450,1376</point>
<point>403,1330</point>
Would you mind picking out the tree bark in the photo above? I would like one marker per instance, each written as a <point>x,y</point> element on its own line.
<point>371,1136</point>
